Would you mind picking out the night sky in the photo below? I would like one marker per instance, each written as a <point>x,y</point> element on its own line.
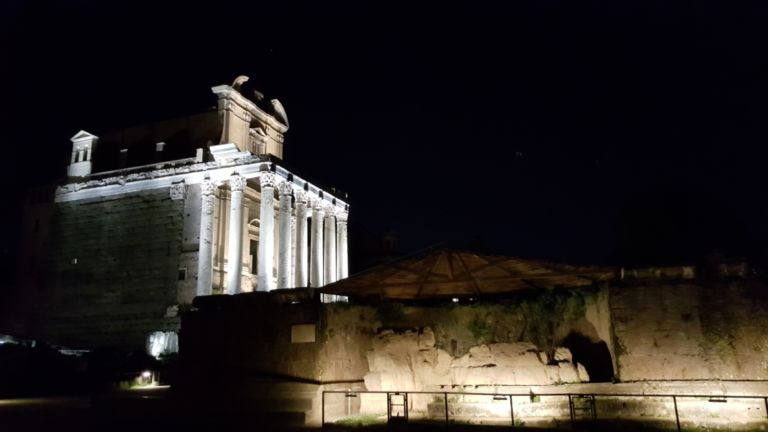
<point>588,132</point>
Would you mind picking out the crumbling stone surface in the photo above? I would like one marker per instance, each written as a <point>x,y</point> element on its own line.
<point>402,361</point>
<point>562,355</point>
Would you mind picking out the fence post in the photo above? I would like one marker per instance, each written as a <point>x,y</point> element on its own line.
<point>765,400</point>
<point>445,401</point>
<point>677,416</point>
<point>322,411</point>
<point>512,411</point>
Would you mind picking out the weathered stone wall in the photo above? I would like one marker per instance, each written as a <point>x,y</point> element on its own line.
<point>542,318</point>
<point>662,332</point>
<point>190,245</point>
<point>678,331</point>
<point>253,331</point>
<point>347,335</point>
<point>411,361</point>
<point>687,331</point>
<point>112,270</point>
<point>249,335</point>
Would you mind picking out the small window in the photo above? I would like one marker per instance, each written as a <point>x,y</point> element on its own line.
<point>183,274</point>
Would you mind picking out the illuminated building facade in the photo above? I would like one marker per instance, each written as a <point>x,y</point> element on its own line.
<point>152,216</point>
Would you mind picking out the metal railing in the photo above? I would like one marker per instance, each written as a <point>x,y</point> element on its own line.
<point>590,398</point>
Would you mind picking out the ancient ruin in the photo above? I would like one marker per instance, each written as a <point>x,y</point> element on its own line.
<point>192,234</point>
<point>154,215</point>
<point>464,327</point>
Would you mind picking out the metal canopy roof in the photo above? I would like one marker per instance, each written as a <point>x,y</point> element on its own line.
<point>446,273</point>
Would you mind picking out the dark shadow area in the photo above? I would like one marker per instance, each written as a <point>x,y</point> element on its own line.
<point>674,221</point>
<point>593,355</point>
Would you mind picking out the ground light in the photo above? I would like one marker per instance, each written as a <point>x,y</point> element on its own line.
<point>146,379</point>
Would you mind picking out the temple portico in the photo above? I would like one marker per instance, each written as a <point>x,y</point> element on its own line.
<point>263,218</point>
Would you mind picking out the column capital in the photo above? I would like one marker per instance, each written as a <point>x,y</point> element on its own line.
<point>317,204</point>
<point>330,209</point>
<point>267,179</point>
<point>300,195</point>
<point>342,216</point>
<point>285,188</point>
<point>237,183</point>
<point>208,187</point>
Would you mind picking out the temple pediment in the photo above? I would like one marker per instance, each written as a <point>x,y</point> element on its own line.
<point>83,135</point>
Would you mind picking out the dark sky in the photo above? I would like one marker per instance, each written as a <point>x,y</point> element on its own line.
<point>592,132</point>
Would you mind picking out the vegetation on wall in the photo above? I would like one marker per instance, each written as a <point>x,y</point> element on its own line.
<point>533,318</point>
<point>545,312</point>
<point>390,313</point>
<point>482,330</point>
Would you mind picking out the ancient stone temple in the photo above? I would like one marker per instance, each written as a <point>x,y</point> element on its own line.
<point>152,216</point>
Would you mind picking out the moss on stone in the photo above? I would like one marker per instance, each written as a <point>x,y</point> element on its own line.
<point>481,331</point>
<point>390,313</point>
<point>545,312</point>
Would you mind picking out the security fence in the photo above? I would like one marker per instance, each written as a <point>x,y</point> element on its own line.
<point>549,410</point>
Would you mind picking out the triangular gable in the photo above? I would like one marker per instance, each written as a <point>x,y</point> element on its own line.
<point>83,135</point>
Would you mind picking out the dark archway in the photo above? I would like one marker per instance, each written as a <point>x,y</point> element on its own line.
<point>595,356</point>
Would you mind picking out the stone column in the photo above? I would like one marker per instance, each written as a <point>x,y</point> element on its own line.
<point>205,250</point>
<point>292,276</point>
<point>235,240</point>
<point>245,270</point>
<point>342,258</point>
<point>330,246</point>
<point>316,260</point>
<point>266,232</point>
<point>302,279</point>
<point>284,245</point>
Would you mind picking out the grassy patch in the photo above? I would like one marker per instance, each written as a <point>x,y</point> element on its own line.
<point>361,420</point>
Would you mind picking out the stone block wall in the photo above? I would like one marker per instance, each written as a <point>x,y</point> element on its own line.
<point>112,270</point>
<point>249,335</point>
<point>252,331</point>
<point>707,330</point>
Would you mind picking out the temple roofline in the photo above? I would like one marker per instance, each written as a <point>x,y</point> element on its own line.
<point>248,167</point>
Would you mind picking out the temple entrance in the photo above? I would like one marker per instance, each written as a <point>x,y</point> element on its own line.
<point>593,354</point>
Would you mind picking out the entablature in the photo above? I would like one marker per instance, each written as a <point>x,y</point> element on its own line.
<point>249,167</point>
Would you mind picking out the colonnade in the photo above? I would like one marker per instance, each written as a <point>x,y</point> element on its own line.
<point>304,259</point>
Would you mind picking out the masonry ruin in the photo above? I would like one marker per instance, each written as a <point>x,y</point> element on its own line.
<point>193,235</point>
<point>457,324</point>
